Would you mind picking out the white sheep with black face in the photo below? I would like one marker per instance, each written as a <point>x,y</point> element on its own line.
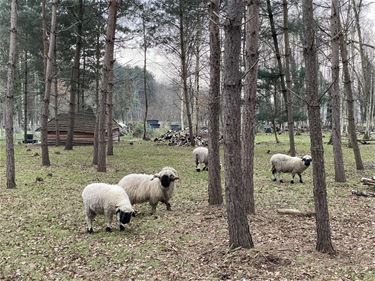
<point>150,188</point>
<point>201,157</point>
<point>102,198</point>
<point>282,163</point>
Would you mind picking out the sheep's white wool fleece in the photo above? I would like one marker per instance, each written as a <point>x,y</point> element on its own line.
<point>101,196</point>
<point>288,164</point>
<point>201,154</point>
<point>142,187</point>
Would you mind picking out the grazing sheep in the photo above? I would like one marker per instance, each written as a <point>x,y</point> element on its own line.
<point>201,156</point>
<point>102,198</point>
<point>150,188</point>
<point>282,163</point>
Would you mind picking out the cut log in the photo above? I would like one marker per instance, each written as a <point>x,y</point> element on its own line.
<point>363,193</point>
<point>368,181</point>
<point>295,212</point>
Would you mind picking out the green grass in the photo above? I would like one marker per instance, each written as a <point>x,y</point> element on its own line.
<point>43,230</point>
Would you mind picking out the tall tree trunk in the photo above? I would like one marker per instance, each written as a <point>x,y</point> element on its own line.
<point>365,70</point>
<point>239,232</point>
<point>110,111</point>
<point>25,98</point>
<point>82,84</point>
<point>288,79</point>
<point>145,79</point>
<point>184,73</point>
<point>215,196</point>
<point>9,99</point>
<point>335,94</point>
<point>97,77</point>
<point>197,73</point>
<point>74,82</point>
<point>349,98</point>
<point>286,93</point>
<point>47,90</point>
<point>107,64</point>
<point>56,95</point>
<point>44,36</point>
<point>323,243</point>
<point>275,112</point>
<point>248,110</point>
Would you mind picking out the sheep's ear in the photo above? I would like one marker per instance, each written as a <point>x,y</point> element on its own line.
<point>117,210</point>
<point>155,176</point>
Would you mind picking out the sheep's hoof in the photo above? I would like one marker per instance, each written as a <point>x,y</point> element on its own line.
<point>108,229</point>
<point>292,181</point>
<point>198,170</point>
<point>281,181</point>
<point>122,228</point>
<point>90,230</point>
<point>301,181</point>
<point>273,179</point>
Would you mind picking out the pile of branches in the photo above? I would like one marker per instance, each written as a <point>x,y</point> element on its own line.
<point>181,138</point>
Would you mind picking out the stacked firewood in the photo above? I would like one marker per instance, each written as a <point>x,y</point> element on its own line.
<point>181,138</point>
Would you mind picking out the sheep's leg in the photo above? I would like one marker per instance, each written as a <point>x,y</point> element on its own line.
<point>197,165</point>
<point>273,170</point>
<point>280,177</point>
<point>153,207</point>
<point>89,219</point>
<point>108,219</point>
<point>293,175</point>
<point>300,178</point>
<point>205,168</point>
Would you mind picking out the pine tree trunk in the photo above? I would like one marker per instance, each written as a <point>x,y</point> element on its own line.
<point>349,98</point>
<point>56,94</point>
<point>288,79</point>
<point>364,69</point>
<point>9,100</point>
<point>335,95</point>
<point>248,110</point>
<point>145,80</point>
<point>47,90</point>
<point>25,95</point>
<point>108,58</point>
<point>215,196</point>
<point>110,111</point>
<point>74,82</point>
<point>323,243</point>
<point>239,232</point>
<point>97,77</point>
<point>44,36</point>
<point>286,93</point>
<point>184,74</point>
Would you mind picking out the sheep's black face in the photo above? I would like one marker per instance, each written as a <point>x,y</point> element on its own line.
<point>307,161</point>
<point>165,180</point>
<point>125,217</point>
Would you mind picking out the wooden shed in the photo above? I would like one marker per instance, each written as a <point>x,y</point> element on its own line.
<point>84,126</point>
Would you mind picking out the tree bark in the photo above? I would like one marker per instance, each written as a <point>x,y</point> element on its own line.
<point>365,71</point>
<point>56,95</point>
<point>323,243</point>
<point>145,79</point>
<point>44,36</point>
<point>248,109</point>
<point>47,90</point>
<point>335,95</point>
<point>349,98</point>
<point>110,110</point>
<point>239,232</point>
<point>198,43</point>
<point>215,196</point>
<point>184,73</point>
<point>9,99</point>
<point>286,93</point>
<point>288,79</point>
<point>74,82</point>
<point>108,58</point>
<point>25,95</point>
<point>97,77</point>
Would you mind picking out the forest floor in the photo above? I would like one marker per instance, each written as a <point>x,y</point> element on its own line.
<point>43,227</point>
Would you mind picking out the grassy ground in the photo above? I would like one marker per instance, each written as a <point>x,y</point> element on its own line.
<point>43,231</point>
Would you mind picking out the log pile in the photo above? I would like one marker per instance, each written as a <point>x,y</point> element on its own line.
<point>368,181</point>
<point>181,138</point>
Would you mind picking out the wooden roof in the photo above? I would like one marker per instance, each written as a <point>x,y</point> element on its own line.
<point>84,122</point>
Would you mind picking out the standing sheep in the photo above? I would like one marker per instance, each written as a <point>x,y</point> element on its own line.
<point>150,188</point>
<point>102,198</point>
<point>282,163</point>
<point>201,156</point>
